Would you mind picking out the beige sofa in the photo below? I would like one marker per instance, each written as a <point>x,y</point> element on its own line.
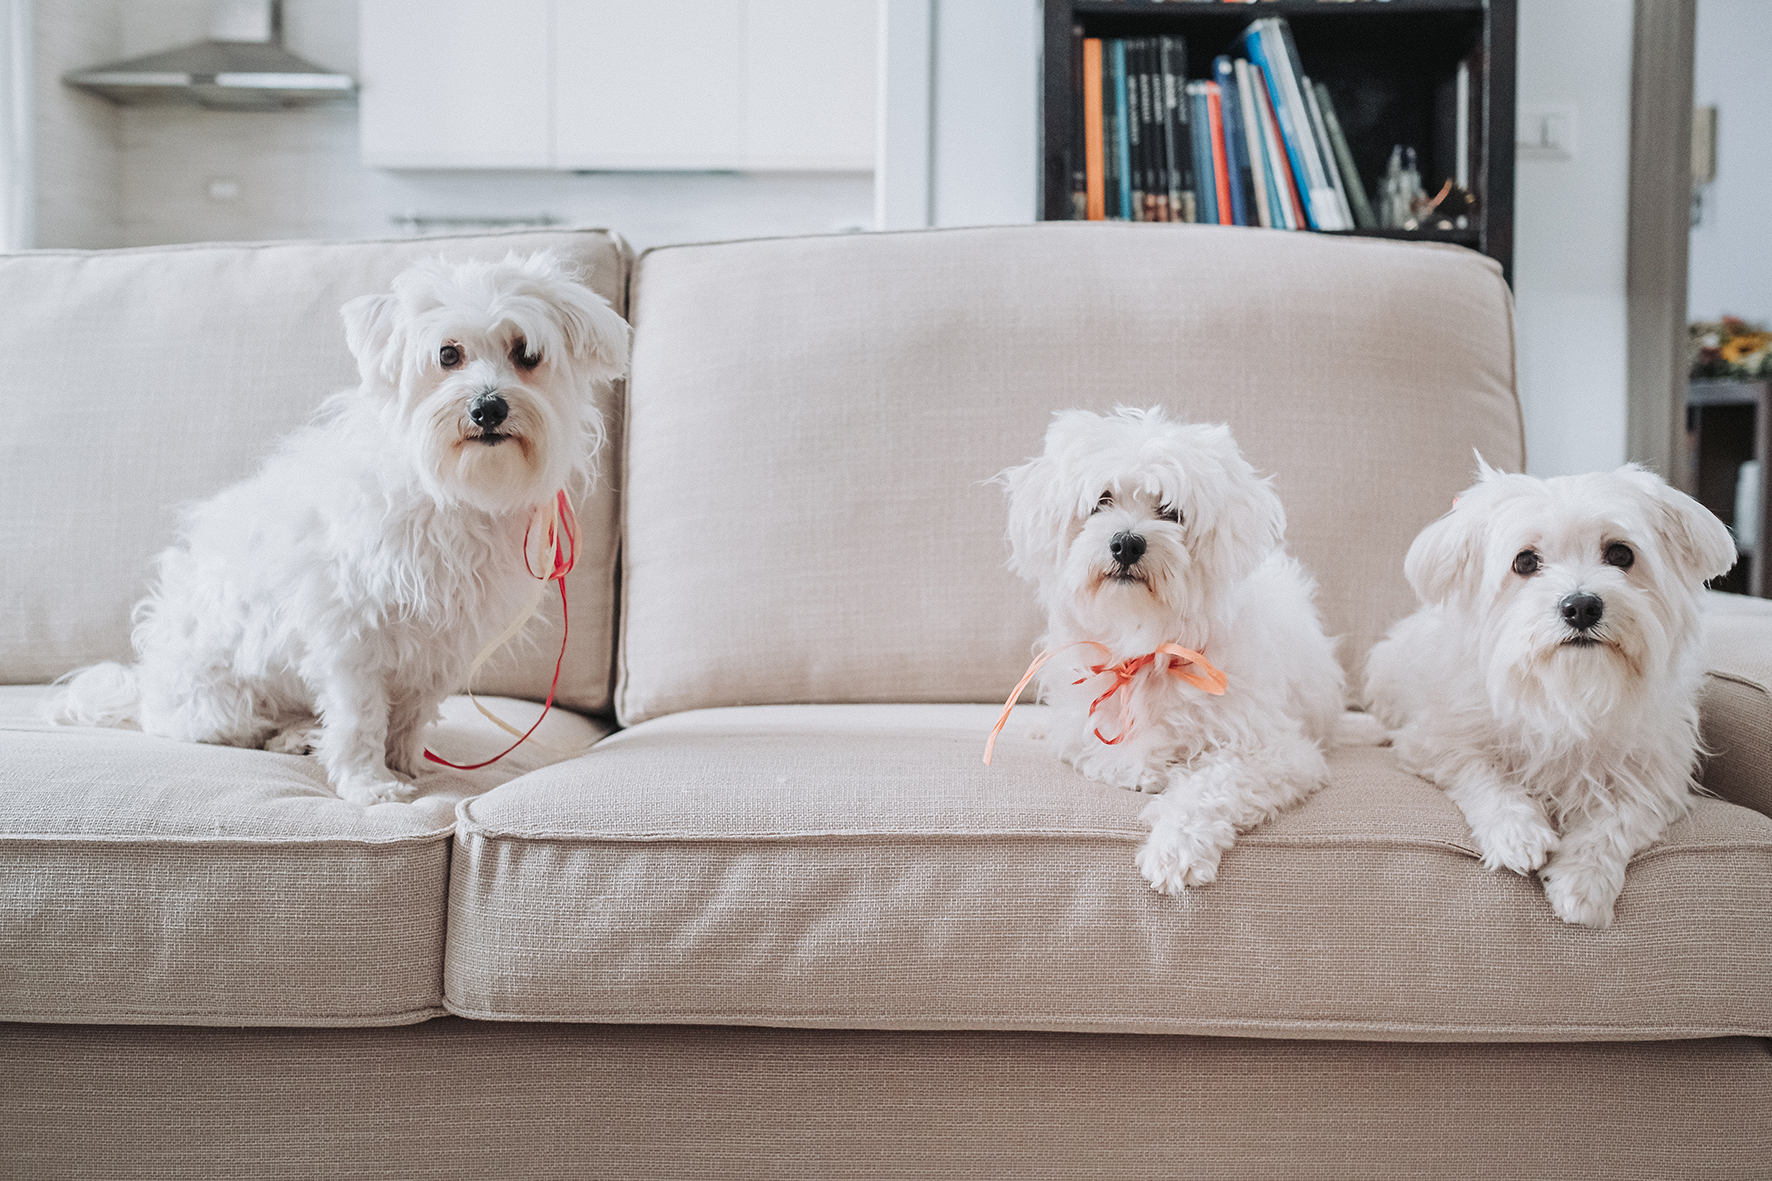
<point>782,921</point>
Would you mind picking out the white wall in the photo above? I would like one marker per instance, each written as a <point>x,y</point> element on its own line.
<point>295,174</point>
<point>1570,229</point>
<point>1731,263</point>
<point>985,153</point>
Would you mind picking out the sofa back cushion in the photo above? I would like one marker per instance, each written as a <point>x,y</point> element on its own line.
<point>813,424</point>
<point>159,376</point>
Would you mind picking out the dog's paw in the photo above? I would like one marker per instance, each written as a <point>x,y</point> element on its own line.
<point>1182,852</point>
<point>365,790</point>
<point>1521,843</point>
<point>1580,895</point>
<point>1154,781</point>
<point>297,740</point>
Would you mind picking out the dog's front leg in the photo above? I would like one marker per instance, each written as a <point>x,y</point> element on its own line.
<point>1510,826</point>
<point>1218,795</point>
<point>1583,879</point>
<point>408,715</point>
<point>353,705</point>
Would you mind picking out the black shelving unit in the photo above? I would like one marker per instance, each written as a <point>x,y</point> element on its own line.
<point>1390,65</point>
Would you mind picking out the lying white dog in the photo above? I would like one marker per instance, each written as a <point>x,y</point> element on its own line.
<point>1550,683</point>
<point>1186,656</point>
<point>352,580</point>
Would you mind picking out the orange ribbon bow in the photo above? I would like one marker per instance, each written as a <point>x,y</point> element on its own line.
<point>1208,678</point>
<point>558,538</point>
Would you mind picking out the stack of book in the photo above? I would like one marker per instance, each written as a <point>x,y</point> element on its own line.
<point>1257,144</point>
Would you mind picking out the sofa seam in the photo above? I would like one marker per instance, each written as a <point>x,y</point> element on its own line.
<point>104,840</point>
<point>987,1023</point>
<point>251,1020</point>
<point>1358,241</point>
<point>920,836</point>
<point>1741,679</point>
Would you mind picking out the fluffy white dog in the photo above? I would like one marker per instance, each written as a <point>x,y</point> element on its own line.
<point>1550,683</point>
<point>349,584</point>
<point>1157,555</point>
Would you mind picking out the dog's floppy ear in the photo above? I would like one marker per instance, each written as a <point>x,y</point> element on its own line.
<point>370,322</point>
<point>1240,523</point>
<point>1038,516</point>
<point>594,336</point>
<point>1700,545</point>
<point>1445,562</point>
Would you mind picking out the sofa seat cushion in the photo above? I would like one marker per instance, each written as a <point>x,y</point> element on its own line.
<point>857,866</point>
<point>148,881</point>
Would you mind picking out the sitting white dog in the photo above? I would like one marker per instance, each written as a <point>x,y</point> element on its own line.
<point>350,582</point>
<point>1185,652</point>
<point>1550,683</point>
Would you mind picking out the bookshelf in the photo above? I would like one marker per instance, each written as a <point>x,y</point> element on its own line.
<point>1727,423</point>
<point>1389,65</point>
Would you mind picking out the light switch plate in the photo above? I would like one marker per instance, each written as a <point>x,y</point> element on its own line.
<point>1546,133</point>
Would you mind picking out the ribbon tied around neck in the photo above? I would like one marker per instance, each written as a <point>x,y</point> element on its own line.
<point>550,550</point>
<point>1185,663</point>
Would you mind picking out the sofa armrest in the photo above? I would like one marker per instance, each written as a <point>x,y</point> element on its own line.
<point>1735,705</point>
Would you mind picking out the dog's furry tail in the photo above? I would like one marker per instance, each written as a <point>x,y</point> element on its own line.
<point>105,694</point>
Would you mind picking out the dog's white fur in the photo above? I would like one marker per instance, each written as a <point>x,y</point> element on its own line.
<point>1216,582</point>
<point>1566,757</point>
<point>349,584</point>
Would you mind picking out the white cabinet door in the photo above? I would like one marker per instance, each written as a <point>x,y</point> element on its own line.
<point>809,93</point>
<point>454,83</point>
<point>640,84</point>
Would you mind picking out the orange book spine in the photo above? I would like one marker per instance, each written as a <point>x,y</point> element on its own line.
<point>1093,174</point>
<point>1221,169</point>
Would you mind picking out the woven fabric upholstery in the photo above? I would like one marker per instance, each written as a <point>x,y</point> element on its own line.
<point>167,373</point>
<point>152,881</point>
<point>858,867</point>
<point>814,424</point>
<point>453,1099</point>
<point>1736,707</point>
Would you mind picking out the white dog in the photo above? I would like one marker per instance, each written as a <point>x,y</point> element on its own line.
<point>1156,552</point>
<point>1550,683</point>
<point>352,580</point>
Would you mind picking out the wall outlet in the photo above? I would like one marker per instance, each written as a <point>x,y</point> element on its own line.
<point>1545,133</point>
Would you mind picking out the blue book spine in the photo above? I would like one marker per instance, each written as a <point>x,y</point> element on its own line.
<point>1236,148</point>
<point>1205,189</point>
<point>1122,142</point>
<point>1250,43</point>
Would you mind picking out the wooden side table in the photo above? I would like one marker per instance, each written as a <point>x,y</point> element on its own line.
<point>1728,423</point>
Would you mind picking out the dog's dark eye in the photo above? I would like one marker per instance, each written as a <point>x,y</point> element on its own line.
<point>1620,555</point>
<point>1525,563</point>
<point>521,357</point>
<point>1106,501</point>
<point>1169,514</point>
<point>449,356</point>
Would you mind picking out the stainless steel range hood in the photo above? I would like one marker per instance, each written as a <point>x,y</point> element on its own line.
<point>241,67</point>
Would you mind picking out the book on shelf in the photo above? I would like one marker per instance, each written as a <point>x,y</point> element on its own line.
<point>1136,143</point>
<point>1236,145</point>
<point>1258,143</point>
<point>1206,179</point>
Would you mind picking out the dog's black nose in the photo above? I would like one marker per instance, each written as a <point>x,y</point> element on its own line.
<point>1127,548</point>
<point>488,411</point>
<point>1582,610</point>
